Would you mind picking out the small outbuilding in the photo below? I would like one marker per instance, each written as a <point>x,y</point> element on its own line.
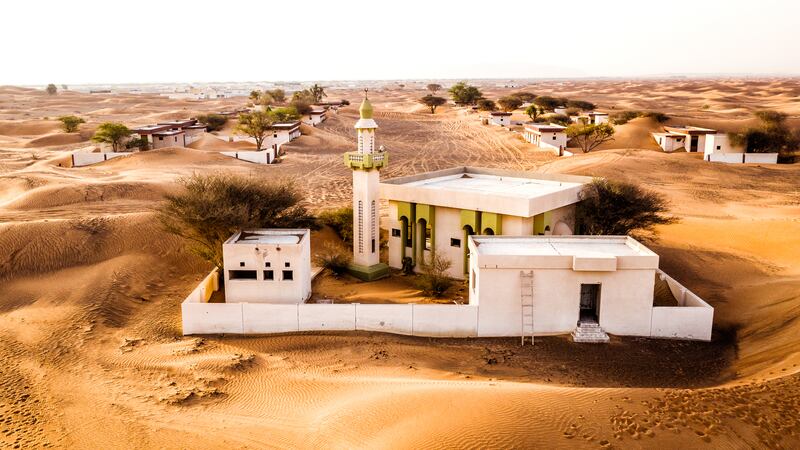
<point>694,137</point>
<point>546,136</point>
<point>315,117</point>
<point>500,118</point>
<point>670,142</point>
<point>268,266</point>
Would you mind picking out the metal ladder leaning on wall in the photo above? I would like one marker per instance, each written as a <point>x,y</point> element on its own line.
<point>526,301</point>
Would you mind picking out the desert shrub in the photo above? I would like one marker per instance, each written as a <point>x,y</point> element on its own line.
<point>623,117</point>
<point>341,222</point>
<point>210,208</point>
<point>580,104</point>
<point>524,96</point>
<point>214,122</point>
<point>657,116</point>
<point>334,258</point>
<point>485,104</point>
<point>561,119</point>
<point>70,124</point>
<point>510,103</point>
<point>51,89</point>
<point>286,114</point>
<point>433,279</point>
<point>621,208</point>
<point>771,135</point>
<point>140,143</point>
<point>549,103</point>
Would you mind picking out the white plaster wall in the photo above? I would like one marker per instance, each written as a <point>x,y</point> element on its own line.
<point>565,214</point>
<point>445,320</point>
<point>553,141</point>
<point>517,226</point>
<point>502,121</point>
<point>298,256</point>
<point>600,119</point>
<point>211,318</point>
<point>761,158</point>
<point>395,243</point>
<point>316,317</point>
<point>168,141</point>
<point>448,226</point>
<point>626,299</point>
<point>387,318</point>
<point>81,159</point>
<point>682,322</point>
<point>269,318</point>
<point>262,157</point>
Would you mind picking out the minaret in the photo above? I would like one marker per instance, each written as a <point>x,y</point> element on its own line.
<point>366,163</point>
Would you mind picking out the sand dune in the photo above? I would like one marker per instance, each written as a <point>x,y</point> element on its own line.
<point>91,286</point>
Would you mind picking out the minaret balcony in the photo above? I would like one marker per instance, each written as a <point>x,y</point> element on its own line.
<point>366,161</point>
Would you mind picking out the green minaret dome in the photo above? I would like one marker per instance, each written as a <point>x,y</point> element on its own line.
<point>365,109</point>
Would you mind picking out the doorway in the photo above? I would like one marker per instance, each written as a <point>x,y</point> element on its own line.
<point>693,145</point>
<point>590,302</point>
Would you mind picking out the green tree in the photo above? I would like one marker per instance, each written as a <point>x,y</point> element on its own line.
<point>432,102</point>
<point>210,208</point>
<point>286,114</point>
<point>317,92</point>
<point>620,208</point>
<point>112,133</point>
<point>340,220</point>
<point>589,137</point>
<point>580,104</point>
<point>771,135</point>
<point>51,89</point>
<point>485,104</point>
<point>278,95</point>
<point>533,111</point>
<point>509,103</point>
<point>434,88</point>
<point>70,124</point>
<point>549,103</point>
<point>302,101</point>
<point>214,122</point>
<point>464,94</point>
<point>255,95</point>
<point>257,125</point>
<point>524,96</point>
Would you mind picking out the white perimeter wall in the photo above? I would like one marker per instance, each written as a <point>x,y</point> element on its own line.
<point>693,319</point>
<point>85,159</point>
<point>262,157</point>
<point>742,158</point>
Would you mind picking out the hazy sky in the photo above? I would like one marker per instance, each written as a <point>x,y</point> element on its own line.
<point>122,41</point>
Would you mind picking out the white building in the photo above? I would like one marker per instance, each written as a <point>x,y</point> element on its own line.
<point>546,136</point>
<point>284,132</point>
<point>694,138</point>
<point>560,110</point>
<point>366,163</point>
<point>719,148</point>
<point>670,142</point>
<point>315,117</point>
<point>174,133</point>
<point>267,266</point>
<point>500,118</point>
<point>440,210</point>
<point>557,285</point>
<point>591,118</point>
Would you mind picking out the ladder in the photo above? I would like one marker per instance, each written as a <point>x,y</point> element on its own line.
<point>526,301</point>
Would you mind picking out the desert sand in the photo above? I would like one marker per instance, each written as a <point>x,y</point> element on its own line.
<point>91,289</point>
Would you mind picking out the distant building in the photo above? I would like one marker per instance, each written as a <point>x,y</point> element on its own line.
<point>315,117</point>
<point>546,136</point>
<point>500,118</point>
<point>440,210</point>
<point>173,133</point>
<point>670,142</point>
<point>267,266</point>
<point>284,132</point>
<point>560,110</point>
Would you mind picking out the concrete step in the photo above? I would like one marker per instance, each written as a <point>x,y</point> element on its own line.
<point>589,332</point>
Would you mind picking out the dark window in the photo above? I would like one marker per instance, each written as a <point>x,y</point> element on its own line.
<point>719,147</point>
<point>241,263</point>
<point>554,138</point>
<point>161,138</point>
<point>455,242</point>
<point>395,232</point>
<point>242,274</point>
<point>288,275</point>
<point>286,264</point>
<point>267,264</point>
<point>373,246</point>
<point>269,275</point>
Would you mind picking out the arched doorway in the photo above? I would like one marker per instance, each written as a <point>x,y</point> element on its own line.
<point>468,231</point>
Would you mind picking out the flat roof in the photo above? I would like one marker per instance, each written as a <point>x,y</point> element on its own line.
<point>500,113</point>
<point>545,127</point>
<point>179,123</point>
<point>168,133</point>
<point>274,236</point>
<point>584,246</point>
<point>286,125</point>
<point>521,194</point>
<point>148,129</point>
<point>690,129</point>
